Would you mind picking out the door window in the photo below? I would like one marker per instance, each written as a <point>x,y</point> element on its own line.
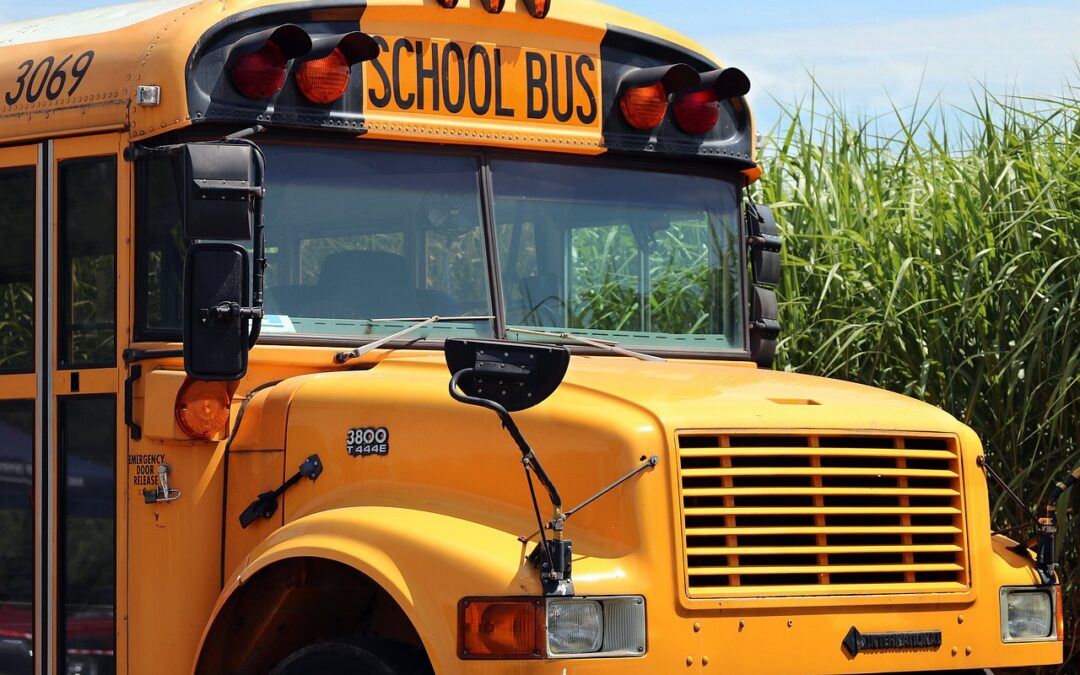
<point>87,445</point>
<point>16,537</point>
<point>17,192</point>
<point>87,264</point>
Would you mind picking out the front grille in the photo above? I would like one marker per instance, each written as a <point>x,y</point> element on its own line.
<point>821,514</point>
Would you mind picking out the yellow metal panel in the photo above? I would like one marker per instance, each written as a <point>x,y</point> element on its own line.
<point>159,420</point>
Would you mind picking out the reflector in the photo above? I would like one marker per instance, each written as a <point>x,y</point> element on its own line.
<point>202,408</point>
<point>697,112</point>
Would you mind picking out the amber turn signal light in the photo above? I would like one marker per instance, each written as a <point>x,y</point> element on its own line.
<point>501,628</point>
<point>324,80</point>
<point>645,107</point>
<point>202,408</point>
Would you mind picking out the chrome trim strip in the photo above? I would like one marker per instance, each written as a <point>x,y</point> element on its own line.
<point>46,362</point>
<point>40,493</point>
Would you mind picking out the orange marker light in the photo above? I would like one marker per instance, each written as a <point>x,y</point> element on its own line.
<point>508,628</point>
<point>202,408</point>
<point>448,4</point>
<point>324,80</point>
<point>494,6</point>
<point>260,74</point>
<point>1059,603</point>
<point>645,107</point>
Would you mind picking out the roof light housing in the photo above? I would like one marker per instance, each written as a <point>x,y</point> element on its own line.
<point>324,77</point>
<point>698,111</point>
<point>259,63</point>
<point>644,93</point>
<point>538,8</point>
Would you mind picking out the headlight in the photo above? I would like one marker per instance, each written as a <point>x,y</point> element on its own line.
<point>554,628</point>
<point>574,627</point>
<point>596,627</point>
<point>1028,615</point>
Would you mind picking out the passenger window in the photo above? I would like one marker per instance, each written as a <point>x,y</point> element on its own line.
<point>17,226</point>
<point>16,537</point>
<point>87,262</point>
<point>87,523</point>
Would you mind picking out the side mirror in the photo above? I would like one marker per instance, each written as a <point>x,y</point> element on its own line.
<point>219,184</point>
<point>765,246</point>
<point>516,376</point>
<point>220,192</point>
<point>217,317</point>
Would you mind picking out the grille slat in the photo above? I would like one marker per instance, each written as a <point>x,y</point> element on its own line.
<point>774,515</point>
<point>822,471</point>
<point>813,550</point>
<point>825,510</point>
<point>824,569</point>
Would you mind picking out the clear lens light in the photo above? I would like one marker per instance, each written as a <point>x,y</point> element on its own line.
<point>575,627</point>
<point>1030,615</point>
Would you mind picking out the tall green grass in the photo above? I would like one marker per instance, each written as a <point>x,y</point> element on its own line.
<point>943,261</point>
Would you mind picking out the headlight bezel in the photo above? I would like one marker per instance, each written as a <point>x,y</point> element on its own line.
<point>623,613</point>
<point>1052,602</point>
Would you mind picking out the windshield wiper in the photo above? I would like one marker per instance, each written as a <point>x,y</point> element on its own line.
<point>599,344</point>
<point>345,357</point>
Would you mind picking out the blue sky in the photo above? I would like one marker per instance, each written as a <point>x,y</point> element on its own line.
<point>869,55</point>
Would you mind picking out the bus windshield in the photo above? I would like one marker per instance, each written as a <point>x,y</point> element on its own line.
<point>635,257</point>
<point>358,236</point>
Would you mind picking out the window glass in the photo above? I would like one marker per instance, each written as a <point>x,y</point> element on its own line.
<point>17,226</point>
<point>16,537</point>
<point>88,533</point>
<point>638,257</point>
<point>87,269</point>
<point>353,237</point>
<point>160,269</point>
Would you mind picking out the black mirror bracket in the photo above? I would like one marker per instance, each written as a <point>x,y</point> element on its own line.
<point>553,557</point>
<point>228,312</point>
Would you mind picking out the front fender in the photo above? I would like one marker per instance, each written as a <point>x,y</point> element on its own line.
<point>425,561</point>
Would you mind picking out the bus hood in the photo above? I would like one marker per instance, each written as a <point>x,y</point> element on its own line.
<point>686,394</point>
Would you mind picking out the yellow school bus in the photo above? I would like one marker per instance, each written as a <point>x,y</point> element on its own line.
<point>412,336</point>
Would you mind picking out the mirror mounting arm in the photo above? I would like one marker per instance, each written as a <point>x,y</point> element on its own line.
<point>527,455</point>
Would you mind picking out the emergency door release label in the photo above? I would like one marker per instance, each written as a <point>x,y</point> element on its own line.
<point>364,441</point>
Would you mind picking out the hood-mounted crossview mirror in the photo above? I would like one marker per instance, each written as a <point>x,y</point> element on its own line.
<point>507,377</point>
<point>512,376</point>
<point>516,376</point>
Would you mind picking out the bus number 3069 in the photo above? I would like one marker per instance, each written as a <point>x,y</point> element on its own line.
<point>49,77</point>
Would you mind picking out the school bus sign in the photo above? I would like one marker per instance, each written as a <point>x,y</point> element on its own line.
<point>444,87</point>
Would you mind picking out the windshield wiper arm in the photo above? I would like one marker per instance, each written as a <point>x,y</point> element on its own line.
<point>599,344</point>
<point>345,357</point>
